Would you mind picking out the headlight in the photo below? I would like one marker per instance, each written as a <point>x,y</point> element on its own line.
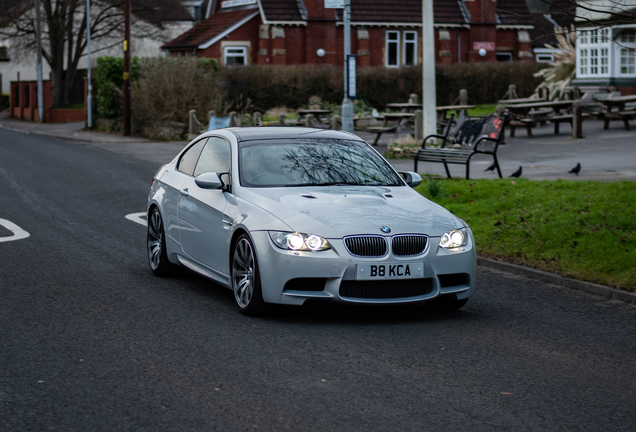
<point>454,239</point>
<point>299,241</point>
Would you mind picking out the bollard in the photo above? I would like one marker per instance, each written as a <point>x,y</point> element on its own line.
<point>512,92</point>
<point>257,119</point>
<point>234,121</point>
<point>282,119</point>
<point>419,125</point>
<point>192,122</point>
<point>309,120</point>
<point>577,120</point>
<point>463,97</point>
<point>336,123</point>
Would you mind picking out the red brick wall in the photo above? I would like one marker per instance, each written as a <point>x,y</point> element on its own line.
<point>295,44</point>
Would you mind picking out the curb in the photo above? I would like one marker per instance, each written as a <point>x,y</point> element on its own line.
<point>68,138</point>
<point>555,279</point>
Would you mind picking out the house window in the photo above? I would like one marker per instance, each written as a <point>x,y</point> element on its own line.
<point>545,58</point>
<point>235,56</point>
<point>410,48</point>
<point>627,43</point>
<point>583,62</point>
<point>593,53</point>
<point>504,57</point>
<point>393,48</point>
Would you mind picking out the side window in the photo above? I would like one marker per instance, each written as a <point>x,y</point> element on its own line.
<point>189,159</point>
<point>215,157</point>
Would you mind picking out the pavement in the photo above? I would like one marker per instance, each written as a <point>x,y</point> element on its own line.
<point>604,155</point>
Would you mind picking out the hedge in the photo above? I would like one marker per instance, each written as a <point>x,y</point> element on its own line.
<point>292,86</point>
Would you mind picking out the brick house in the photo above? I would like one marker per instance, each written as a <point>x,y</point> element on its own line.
<point>384,32</point>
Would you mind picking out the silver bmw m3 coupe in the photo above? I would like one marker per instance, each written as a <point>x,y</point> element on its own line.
<point>283,215</point>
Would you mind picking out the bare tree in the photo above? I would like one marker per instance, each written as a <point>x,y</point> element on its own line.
<point>64,34</point>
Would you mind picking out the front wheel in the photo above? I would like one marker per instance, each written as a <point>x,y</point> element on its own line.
<point>246,283</point>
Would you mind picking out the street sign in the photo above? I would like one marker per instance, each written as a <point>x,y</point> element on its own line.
<point>488,46</point>
<point>352,76</point>
<point>334,4</point>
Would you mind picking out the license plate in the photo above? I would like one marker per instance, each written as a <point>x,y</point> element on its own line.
<point>406,270</point>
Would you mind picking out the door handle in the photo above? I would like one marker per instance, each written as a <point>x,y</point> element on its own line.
<point>185,192</point>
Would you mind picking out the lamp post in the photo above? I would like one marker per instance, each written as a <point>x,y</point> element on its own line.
<point>127,121</point>
<point>89,97</point>
<point>39,65</point>
<point>347,104</point>
<point>429,99</point>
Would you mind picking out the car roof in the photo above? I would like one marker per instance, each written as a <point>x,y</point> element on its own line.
<point>286,132</point>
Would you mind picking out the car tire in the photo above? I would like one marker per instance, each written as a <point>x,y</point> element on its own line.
<point>156,248</point>
<point>446,303</point>
<point>246,281</point>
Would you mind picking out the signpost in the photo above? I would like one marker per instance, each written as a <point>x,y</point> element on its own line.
<point>352,77</point>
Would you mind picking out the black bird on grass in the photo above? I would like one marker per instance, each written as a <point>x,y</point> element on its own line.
<point>491,167</point>
<point>576,169</point>
<point>516,173</point>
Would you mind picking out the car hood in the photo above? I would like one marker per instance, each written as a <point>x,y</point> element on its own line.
<point>334,212</point>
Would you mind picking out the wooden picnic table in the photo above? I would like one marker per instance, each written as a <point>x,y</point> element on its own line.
<point>391,122</point>
<point>527,114</point>
<point>620,113</point>
<point>520,101</point>
<point>318,113</point>
<point>405,106</point>
<point>443,110</point>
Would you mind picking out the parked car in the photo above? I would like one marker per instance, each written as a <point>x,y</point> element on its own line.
<point>283,215</point>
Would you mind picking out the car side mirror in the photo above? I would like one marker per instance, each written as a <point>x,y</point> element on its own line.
<point>412,179</point>
<point>209,180</point>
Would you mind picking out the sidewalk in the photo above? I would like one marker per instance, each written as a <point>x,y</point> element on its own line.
<point>604,155</point>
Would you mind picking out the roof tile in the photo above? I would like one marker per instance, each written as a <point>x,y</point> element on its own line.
<point>209,28</point>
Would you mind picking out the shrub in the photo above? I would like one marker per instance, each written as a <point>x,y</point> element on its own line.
<point>269,86</point>
<point>6,99</point>
<point>109,77</point>
<point>168,88</point>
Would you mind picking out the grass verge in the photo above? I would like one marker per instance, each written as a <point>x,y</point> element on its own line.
<point>579,229</point>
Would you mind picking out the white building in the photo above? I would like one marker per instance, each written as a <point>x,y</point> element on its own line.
<point>152,26</point>
<point>606,43</point>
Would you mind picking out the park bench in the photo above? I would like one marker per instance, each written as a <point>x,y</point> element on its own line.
<point>480,135</point>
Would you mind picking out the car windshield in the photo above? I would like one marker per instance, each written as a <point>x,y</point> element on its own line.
<point>308,162</point>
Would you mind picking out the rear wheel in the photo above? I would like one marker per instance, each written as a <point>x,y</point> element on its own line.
<point>246,283</point>
<point>156,247</point>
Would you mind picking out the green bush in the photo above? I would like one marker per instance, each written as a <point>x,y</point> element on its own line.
<point>268,86</point>
<point>109,77</point>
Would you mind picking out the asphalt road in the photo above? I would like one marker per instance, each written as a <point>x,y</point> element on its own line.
<point>90,340</point>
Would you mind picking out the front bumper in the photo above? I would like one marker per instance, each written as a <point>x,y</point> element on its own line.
<point>292,277</point>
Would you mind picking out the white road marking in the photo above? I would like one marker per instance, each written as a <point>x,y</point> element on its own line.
<point>139,218</point>
<point>18,233</point>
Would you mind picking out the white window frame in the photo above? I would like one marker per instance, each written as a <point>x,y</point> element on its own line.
<point>244,52</point>
<point>508,55</point>
<point>593,53</point>
<point>625,46</point>
<point>545,58</point>
<point>389,42</point>
<point>405,44</point>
